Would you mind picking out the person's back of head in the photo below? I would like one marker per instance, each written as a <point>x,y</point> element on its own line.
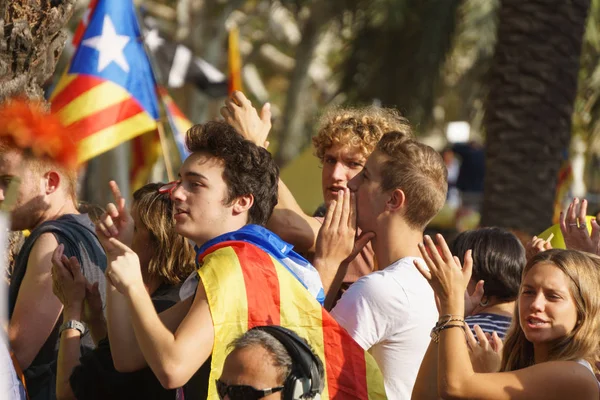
<point>358,128</point>
<point>419,171</point>
<point>248,169</point>
<point>498,260</point>
<point>582,272</point>
<point>172,256</point>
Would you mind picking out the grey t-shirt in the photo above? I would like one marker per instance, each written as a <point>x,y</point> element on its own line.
<point>76,233</point>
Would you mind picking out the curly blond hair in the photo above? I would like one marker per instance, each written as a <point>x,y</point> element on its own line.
<point>359,128</point>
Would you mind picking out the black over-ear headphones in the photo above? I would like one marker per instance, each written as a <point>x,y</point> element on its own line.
<point>304,381</point>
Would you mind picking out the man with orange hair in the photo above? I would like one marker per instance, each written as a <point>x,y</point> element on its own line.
<point>40,194</point>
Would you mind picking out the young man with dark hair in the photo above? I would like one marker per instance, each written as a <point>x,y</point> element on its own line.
<point>243,279</point>
<point>45,204</point>
<point>391,311</point>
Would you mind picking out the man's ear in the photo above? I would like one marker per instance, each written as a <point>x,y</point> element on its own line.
<point>396,201</point>
<point>243,203</point>
<point>53,181</point>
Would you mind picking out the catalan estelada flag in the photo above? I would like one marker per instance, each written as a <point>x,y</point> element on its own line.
<point>108,94</point>
<point>248,287</point>
<point>177,121</point>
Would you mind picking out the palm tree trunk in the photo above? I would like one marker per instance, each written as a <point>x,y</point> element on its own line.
<point>31,40</point>
<point>533,82</point>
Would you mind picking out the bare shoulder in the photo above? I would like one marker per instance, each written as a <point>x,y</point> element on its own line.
<point>41,252</point>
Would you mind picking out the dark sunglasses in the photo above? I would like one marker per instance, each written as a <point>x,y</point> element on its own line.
<point>169,187</point>
<point>243,392</point>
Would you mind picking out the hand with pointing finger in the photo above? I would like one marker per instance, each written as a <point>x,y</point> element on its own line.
<point>116,222</point>
<point>123,270</point>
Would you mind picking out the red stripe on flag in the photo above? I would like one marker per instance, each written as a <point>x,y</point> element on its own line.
<point>103,119</point>
<point>260,278</point>
<point>344,362</point>
<point>77,87</point>
<point>262,285</point>
<point>83,24</point>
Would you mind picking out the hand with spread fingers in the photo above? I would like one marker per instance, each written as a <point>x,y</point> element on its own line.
<point>68,282</point>
<point>116,222</point>
<point>472,299</point>
<point>573,225</point>
<point>445,275</point>
<point>337,241</point>
<point>239,113</point>
<point>536,245</point>
<point>485,351</point>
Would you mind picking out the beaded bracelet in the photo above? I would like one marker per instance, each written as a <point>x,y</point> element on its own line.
<point>435,332</point>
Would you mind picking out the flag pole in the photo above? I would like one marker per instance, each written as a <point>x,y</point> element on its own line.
<point>161,105</point>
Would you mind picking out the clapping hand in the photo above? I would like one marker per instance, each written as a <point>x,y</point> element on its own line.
<point>239,113</point>
<point>68,283</point>
<point>537,245</point>
<point>486,354</point>
<point>573,225</point>
<point>445,275</point>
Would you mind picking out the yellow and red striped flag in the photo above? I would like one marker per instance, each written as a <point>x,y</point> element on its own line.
<point>107,95</point>
<point>247,287</point>
<point>235,61</point>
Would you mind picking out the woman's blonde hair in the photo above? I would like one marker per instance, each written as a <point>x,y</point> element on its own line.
<point>583,271</point>
<point>359,128</point>
<point>173,257</point>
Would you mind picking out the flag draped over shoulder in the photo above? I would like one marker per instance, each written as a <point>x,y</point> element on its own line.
<point>247,287</point>
<point>108,93</point>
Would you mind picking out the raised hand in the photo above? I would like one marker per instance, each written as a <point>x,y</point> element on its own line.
<point>68,283</point>
<point>123,270</point>
<point>486,355</point>
<point>472,300</point>
<point>239,113</point>
<point>337,241</point>
<point>537,245</point>
<point>573,226</point>
<point>116,222</point>
<point>445,275</point>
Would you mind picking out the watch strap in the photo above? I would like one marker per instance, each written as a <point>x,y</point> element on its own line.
<point>72,324</point>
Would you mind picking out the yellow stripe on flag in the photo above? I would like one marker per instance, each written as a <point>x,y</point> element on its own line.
<point>302,314</point>
<point>114,135</point>
<point>94,100</point>
<point>65,79</point>
<point>228,326</point>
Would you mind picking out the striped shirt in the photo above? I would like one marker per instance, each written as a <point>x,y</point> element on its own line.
<point>490,323</point>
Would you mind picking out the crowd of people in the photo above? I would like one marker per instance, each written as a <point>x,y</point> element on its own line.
<point>219,286</point>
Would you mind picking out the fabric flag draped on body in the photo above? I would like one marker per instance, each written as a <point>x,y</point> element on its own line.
<point>108,94</point>
<point>247,286</point>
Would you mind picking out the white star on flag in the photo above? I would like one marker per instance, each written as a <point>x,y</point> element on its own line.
<point>110,45</point>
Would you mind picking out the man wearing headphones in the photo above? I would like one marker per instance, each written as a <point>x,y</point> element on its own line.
<point>270,362</point>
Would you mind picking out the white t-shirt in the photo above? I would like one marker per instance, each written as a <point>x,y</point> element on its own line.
<point>391,313</point>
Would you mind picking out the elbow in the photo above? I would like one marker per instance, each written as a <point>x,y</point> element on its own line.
<point>171,377</point>
<point>450,390</point>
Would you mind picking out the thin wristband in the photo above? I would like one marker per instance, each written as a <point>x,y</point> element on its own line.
<point>443,328</point>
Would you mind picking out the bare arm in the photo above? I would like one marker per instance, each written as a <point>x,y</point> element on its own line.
<point>425,387</point>
<point>292,224</point>
<point>37,309</point>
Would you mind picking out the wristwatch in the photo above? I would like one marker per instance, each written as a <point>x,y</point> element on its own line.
<point>72,324</point>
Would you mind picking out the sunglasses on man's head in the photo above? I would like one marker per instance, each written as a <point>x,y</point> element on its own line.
<point>243,392</point>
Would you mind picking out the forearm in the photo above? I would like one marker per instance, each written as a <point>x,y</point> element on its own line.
<point>156,342</point>
<point>332,276</point>
<point>125,350</point>
<point>291,223</point>
<point>68,357</point>
<point>454,363</point>
<point>426,387</point>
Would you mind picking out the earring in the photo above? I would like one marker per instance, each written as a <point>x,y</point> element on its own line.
<point>484,303</point>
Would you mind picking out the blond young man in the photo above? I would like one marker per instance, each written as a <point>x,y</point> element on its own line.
<point>391,311</point>
<point>345,138</point>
